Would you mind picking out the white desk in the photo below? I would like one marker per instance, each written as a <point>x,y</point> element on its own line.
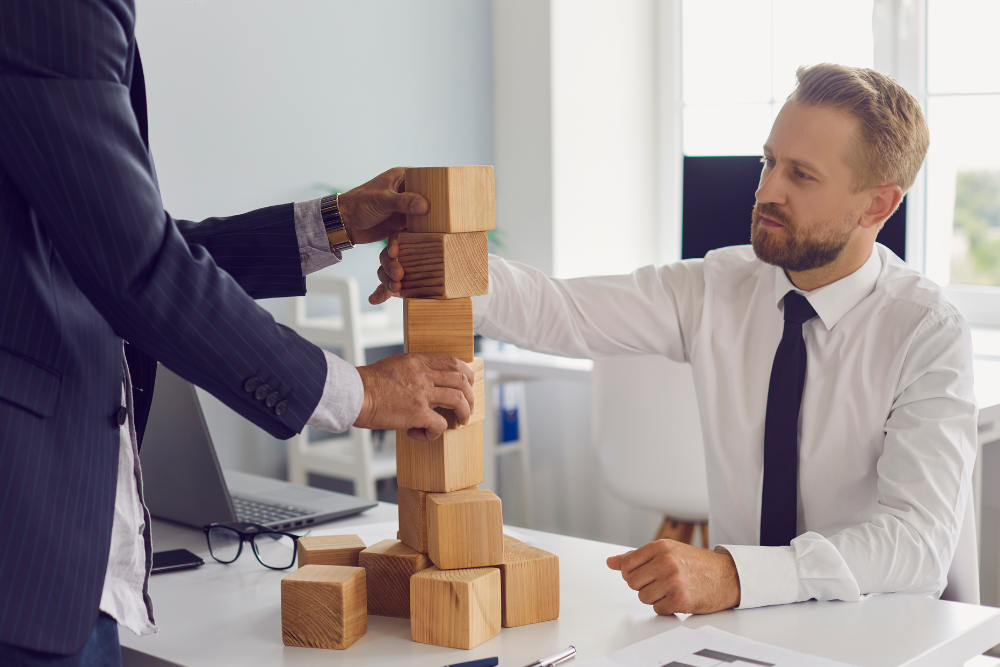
<point>220,615</point>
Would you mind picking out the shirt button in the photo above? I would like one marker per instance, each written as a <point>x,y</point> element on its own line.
<point>261,392</point>
<point>120,416</point>
<point>272,398</point>
<point>280,408</point>
<point>251,384</point>
<point>304,257</point>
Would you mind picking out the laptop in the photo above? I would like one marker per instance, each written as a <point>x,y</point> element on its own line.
<point>183,482</point>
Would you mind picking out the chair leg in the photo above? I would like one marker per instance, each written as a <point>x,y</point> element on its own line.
<point>679,531</point>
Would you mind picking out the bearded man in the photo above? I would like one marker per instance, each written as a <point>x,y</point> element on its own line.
<point>834,381</point>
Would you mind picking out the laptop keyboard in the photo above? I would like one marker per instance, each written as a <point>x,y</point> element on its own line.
<point>254,512</point>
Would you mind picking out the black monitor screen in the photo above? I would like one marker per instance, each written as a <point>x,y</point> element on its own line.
<point>718,198</point>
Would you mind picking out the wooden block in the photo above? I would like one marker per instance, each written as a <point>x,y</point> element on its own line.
<point>464,529</point>
<point>462,199</point>
<point>456,608</point>
<point>529,584</point>
<point>323,606</point>
<point>330,550</point>
<point>389,565</point>
<point>439,326</point>
<point>478,394</point>
<point>453,461</point>
<point>413,518</point>
<point>444,266</point>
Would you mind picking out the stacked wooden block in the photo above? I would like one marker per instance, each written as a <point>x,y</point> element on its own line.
<point>451,571</point>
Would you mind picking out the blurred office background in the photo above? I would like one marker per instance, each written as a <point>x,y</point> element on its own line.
<point>609,122</point>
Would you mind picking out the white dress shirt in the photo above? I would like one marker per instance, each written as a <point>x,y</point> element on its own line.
<point>887,426</point>
<point>125,594</point>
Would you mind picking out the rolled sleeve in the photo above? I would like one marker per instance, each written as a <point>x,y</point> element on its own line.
<point>767,574</point>
<point>314,246</point>
<point>343,394</point>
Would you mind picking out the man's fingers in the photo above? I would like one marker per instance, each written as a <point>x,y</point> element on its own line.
<point>388,281</point>
<point>451,399</point>
<point>636,558</point>
<point>381,295</point>
<point>392,248</point>
<point>404,202</point>
<point>653,592</point>
<point>641,577</point>
<point>442,363</point>
<point>615,562</point>
<point>390,266</point>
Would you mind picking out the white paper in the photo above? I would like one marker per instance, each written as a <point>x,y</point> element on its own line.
<point>707,647</point>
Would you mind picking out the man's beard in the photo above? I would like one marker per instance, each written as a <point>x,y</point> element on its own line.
<point>792,250</point>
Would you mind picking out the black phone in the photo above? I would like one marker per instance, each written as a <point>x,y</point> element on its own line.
<point>177,559</point>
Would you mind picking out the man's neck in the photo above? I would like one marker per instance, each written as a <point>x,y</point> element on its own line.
<point>849,261</point>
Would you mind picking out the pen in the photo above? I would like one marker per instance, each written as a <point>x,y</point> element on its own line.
<point>482,662</point>
<point>555,659</point>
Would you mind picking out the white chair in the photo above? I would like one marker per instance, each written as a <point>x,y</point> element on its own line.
<point>648,436</point>
<point>353,457</point>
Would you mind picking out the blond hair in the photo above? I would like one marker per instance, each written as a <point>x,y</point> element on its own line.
<point>893,136</point>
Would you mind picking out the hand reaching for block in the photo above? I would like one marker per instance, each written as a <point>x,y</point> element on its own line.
<point>390,273</point>
<point>373,211</point>
<point>402,392</point>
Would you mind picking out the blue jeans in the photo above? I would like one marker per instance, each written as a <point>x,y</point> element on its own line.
<point>101,650</point>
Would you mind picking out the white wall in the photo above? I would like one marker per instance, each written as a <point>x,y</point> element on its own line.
<point>255,102</point>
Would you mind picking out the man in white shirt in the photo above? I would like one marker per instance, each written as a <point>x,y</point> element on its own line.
<point>834,382</point>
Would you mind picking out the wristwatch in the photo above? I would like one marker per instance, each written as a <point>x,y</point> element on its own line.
<point>334,224</point>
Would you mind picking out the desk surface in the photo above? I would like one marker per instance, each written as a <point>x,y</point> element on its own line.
<point>230,615</point>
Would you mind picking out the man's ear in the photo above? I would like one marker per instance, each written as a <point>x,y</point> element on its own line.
<point>885,200</point>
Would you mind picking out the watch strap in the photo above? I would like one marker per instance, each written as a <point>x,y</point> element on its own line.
<point>334,223</point>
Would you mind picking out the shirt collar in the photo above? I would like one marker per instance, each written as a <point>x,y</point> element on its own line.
<point>831,302</point>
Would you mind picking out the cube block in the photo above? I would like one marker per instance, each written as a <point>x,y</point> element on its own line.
<point>439,326</point>
<point>451,462</point>
<point>329,550</point>
<point>389,566</point>
<point>413,518</point>
<point>462,199</point>
<point>478,393</point>
<point>455,608</point>
<point>529,584</point>
<point>464,529</point>
<point>444,266</point>
<point>323,606</point>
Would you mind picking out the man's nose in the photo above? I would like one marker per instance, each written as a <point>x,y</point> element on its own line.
<point>770,190</point>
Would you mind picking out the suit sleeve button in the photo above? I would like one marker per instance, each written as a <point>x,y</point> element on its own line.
<point>272,398</point>
<point>251,384</point>
<point>261,392</point>
<point>280,408</point>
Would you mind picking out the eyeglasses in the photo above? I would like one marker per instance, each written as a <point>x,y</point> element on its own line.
<point>273,549</point>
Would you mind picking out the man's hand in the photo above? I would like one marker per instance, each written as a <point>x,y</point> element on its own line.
<point>402,391</point>
<point>390,274</point>
<point>378,208</point>
<point>679,578</point>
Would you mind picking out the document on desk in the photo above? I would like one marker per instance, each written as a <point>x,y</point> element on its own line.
<point>707,647</point>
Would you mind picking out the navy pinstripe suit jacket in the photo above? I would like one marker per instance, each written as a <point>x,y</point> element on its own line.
<point>89,257</point>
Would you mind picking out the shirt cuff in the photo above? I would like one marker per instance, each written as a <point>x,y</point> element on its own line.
<point>767,574</point>
<point>314,246</point>
<point>343,394</point>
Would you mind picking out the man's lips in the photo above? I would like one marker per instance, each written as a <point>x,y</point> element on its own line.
<point>770,223</point>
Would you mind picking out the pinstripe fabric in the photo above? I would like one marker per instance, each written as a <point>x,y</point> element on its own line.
<point>88,256</point>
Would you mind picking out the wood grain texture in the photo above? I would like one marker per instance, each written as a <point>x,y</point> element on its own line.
<point>529,584</point>
<point>455,608</point>
<point>329,550</point>
<point>462,199</point>
<point>478,394</point>
<point>413,518</point>
<point>464,529</point>
<point>453,461</point>
<point>389,566</point>
<point>444,266</point>
<point>439,326</point>
<point>324,606</point>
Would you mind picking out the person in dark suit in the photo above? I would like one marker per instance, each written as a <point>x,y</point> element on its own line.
<point>98,283</point>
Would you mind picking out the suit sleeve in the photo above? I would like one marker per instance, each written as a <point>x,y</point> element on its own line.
<point>70,142</point>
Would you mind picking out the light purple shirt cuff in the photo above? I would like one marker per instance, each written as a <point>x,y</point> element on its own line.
<point>767,574</point>
<point>343,394</point>
<point>314,246</point>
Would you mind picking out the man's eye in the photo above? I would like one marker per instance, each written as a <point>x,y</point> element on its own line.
<point>801,174</point>
<point>767,161</point>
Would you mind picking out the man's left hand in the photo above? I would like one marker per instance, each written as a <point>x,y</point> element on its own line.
<point>378,208</point>
<point>678,578</point>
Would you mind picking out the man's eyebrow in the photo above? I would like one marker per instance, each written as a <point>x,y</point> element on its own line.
<point>802,164</point>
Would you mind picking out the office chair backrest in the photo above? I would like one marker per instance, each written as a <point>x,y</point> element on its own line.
<point>963,576</point>
<point>647,431</point>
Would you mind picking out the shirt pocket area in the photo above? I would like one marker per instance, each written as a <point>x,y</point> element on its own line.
<point>28,384</point>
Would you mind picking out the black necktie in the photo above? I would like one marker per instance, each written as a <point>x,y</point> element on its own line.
<point>779,500</point>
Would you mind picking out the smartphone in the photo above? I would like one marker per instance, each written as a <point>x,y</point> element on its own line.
<point>178,559</point>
